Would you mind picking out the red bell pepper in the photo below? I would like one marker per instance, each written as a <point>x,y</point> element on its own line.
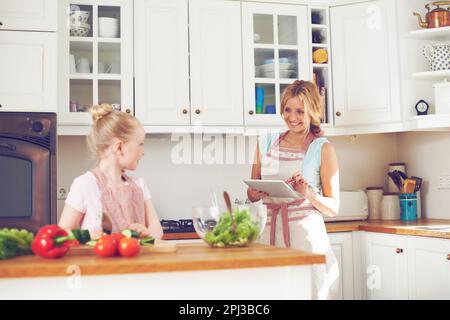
<point>52,242</point>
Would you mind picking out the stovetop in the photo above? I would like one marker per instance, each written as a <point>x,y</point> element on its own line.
<point>176,226</point>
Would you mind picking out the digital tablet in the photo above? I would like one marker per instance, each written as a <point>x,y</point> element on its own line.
<point>275,188</point>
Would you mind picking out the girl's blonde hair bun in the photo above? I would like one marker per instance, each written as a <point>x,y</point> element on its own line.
<point>100,111</point>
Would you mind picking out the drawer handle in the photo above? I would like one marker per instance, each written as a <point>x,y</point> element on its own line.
<point>128,111</point>
<point>399,250</point>
<point>250,112</point>
<point>448,256</point>
<point>185,111</point>
<point>197,111</point>
<point>338,114</point>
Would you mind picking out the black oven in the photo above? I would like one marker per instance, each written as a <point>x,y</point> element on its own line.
<point>27,169</point>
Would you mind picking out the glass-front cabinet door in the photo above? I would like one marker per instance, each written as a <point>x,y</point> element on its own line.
<point>275,48</point>
<point>95,58</point>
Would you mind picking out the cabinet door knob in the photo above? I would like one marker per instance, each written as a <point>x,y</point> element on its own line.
<point>128,111</point>
<point>338,114</point>
<point>185,111</point>
<point>1,106</point>
<point>448,256</point>
<point>250,112</point>
<point>399,250</point>
<point>197,111</point>
<point>1,23</point>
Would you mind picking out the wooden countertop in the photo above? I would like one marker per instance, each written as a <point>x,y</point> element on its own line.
<point>434,228</point>
<point>383,226</point>
<point>188,257</point>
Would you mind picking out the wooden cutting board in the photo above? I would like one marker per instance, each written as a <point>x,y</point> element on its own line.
<point>160,246</point>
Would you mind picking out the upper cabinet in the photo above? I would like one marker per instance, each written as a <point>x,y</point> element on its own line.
<point>365,63</point>
<point>28,15</point>
<point>161,62</point>
<point>169,53</point>
<point>95,58</point>
<point>28,69</point>
<point>275,52</point>
<point>27,59</point>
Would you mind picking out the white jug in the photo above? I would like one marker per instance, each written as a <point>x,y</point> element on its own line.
<point>438,55</point>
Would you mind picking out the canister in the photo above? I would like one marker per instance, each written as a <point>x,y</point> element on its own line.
<point>374,196</point>
<point>390,206</point>
<point>400,166</point>
<point>408,206</point>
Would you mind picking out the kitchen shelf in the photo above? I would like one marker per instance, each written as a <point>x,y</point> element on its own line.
<point>431,121</point>
<point>319,26</point>
<point>441,34</point>
<point>320,65</point>
<point>432,75</point>
<point>319,45</point>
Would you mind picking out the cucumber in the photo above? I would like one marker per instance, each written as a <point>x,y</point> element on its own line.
<point>130,233</point>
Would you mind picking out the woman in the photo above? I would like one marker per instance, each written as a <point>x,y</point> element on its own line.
<point>307,161</point>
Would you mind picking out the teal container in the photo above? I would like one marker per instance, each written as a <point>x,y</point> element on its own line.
<point>408,206</point>
<point>259,100</point>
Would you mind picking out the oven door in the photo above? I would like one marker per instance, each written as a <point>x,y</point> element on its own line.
<point>24,184</point>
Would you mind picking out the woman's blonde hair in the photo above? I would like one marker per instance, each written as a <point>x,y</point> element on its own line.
<point>307,93</point>
<point>107,125</point>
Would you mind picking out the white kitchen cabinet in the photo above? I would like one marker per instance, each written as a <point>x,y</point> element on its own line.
<point>97,66</point>
<point>215,62</point>
<point>429,268</point>
<point>161,62</point>
<point>365,63</point>
<point>276,49</point>
<point>28,15</point>
<point>167,49</point>
<point>342,246</point>
<point>386,265</point>
<point>28,71</point>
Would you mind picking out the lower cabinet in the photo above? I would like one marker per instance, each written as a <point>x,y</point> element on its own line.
<point>429,268</point>
<point>342,245</point>
<point>385,266</point>
<point>406,267</point>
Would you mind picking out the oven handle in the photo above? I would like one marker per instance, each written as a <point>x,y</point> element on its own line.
<point>9,146</point>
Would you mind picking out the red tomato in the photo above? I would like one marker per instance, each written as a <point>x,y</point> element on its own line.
<point>106,246</point>
<point>117,236</point>
<point>129,247</point>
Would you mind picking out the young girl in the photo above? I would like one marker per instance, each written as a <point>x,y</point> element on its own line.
<point>105,198</point>
<point>307,161</point>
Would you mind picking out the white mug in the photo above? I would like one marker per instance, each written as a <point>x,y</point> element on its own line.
<point>116,106</point>
<point>83,65</point>
<point>101,67</point>
<point>72,64</point>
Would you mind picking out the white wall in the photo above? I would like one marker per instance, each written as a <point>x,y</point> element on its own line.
<point>176,188</point>
<point>427,155</point>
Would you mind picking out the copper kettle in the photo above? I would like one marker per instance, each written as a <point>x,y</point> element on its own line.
<point>437,17</point>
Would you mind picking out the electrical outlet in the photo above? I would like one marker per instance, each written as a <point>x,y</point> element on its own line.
<point>444,182</point>
<point>62,193</point>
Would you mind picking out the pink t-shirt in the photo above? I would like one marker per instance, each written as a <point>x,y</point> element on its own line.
<point>84,196</point>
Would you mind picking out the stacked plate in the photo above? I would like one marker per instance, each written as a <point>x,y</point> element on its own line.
<point>267,70</point>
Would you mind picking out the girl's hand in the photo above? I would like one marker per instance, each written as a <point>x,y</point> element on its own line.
<point>143,231</point>
<point>256,195</point>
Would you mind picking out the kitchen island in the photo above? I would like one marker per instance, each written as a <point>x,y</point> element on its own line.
<point>194,271</point>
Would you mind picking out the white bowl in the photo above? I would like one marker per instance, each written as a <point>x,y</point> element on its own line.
<point>108,27</point>
<point>286,73</point>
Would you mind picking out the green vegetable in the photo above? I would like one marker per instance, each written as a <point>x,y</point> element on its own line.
<point>147,241</point>
<point>130,233</point>
<point>14,242</point>
<point>223,234</point>
<point>81,235</point>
